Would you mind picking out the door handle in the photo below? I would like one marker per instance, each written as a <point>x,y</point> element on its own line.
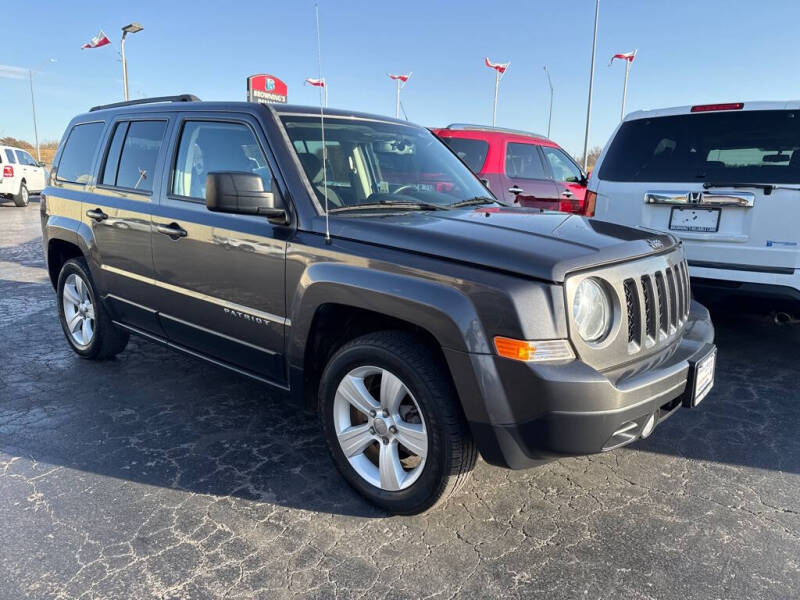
<point>96,214</point>
<point>515,189</point>
<point>173,230</point>
<point>567,193</point>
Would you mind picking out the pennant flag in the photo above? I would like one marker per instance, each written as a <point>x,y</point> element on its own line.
<point>316,82</point>
<point>499,67</point>
<point>101,39</point>
<point>402,78</point>
<point>629,56</point>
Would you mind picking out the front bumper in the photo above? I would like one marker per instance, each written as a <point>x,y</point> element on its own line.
<point>522,414</point>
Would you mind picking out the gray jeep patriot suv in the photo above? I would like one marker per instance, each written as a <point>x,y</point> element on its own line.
<point>421,318</point>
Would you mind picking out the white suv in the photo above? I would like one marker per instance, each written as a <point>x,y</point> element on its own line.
<point>725,178</point>
<point>22,175</point>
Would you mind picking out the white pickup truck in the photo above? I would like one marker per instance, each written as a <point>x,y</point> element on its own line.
<point>22,175</point>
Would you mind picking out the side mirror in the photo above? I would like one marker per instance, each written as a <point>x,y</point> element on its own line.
<point>41,163</point>
<point>243,193</point>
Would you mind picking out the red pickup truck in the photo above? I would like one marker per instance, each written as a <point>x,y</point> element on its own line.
<point>521,167</point>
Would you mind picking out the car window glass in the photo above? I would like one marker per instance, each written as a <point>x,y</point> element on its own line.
<point>137,162</point>
<point>472,152</point>
<point>31,160</point>
<point>563,168</point>
<point>21,157</point>
<point>10,156</point>
<point>79,150</point>
<point>208,147</point>
<point>523,161</point>
<point>757,146</point>
<point>112,159</point>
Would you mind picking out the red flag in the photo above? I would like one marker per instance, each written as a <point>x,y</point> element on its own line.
<point>629,56</point>
<point>316,82</point>
<point>499,67</point>
<point>101,39</point>
<point>402,78</point>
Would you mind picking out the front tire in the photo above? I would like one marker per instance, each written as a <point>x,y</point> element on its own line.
<point>393,423</point>
<point>23,198</point>
<point>86,324</point>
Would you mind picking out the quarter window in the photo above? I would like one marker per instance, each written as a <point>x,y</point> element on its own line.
<point>208,147</point>
<point>75,165</point>
<point>524,162</point>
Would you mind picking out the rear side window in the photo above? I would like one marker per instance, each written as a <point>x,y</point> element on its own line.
<point>724,147</point>
<point>76,159</point>
<point>137,161</point>
<point>10,156</point>
<point>524,162</point>
<point>472,152</point>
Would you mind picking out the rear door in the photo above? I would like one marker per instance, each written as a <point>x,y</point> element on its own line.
<point>527,180</point>
<point>701,176</point>
<point>220,276</point>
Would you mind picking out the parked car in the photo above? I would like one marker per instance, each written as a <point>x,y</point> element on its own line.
<point>423,325</point>
<point>22,175</point>
<point>725,178</point>
<point>521,167</point>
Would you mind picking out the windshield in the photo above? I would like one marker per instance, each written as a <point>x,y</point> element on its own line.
<point>759,146</point>
<point>375,162</point>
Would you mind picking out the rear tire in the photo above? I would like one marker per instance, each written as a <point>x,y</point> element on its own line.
<point>23,198</point>
<point>423,434</point>
<point>86,324</point>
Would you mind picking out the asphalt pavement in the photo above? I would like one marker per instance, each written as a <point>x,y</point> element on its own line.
<point>156,475</point>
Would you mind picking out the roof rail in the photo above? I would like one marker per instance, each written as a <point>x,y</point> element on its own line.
<point>179,98</point>
<point>467,126</point>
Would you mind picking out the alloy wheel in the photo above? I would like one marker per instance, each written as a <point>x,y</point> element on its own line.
<point>79,311</point>
<point>380,428</point>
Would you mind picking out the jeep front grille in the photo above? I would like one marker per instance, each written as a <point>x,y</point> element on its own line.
<point>665,295</point>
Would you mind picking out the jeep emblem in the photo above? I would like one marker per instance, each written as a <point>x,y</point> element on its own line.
<point>655,244</point>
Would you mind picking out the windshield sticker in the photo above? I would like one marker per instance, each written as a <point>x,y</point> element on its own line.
<point>383,187</point>
<point>771,243</point>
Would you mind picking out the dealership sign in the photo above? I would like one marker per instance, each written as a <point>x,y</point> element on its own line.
<point>265,88</point>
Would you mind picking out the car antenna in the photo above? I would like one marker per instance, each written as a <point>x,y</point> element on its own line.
<point>322,128</point>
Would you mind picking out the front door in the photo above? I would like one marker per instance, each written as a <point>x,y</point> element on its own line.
<point>527,181</point>
<point>220,276</point>
<point>569,179</point>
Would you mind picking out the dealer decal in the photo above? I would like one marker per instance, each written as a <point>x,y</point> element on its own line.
<point>771,243</point>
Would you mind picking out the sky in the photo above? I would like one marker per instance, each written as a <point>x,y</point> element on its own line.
<point>690,52</point>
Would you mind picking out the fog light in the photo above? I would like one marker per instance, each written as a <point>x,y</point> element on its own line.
<point>649,426</point>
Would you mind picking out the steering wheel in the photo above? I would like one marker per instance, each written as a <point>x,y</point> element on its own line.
<point>403,188</point>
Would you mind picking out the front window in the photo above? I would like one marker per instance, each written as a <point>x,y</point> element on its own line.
<point>563,167</point>
<point>375,162</point>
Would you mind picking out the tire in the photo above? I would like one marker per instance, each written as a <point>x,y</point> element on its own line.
<point>23,198</point>
<point>102,339</point>
<point>427,416</point>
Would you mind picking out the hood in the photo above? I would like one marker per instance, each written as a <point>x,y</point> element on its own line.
<point>524,241</point>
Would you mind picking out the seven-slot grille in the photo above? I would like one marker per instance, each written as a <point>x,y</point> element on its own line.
<point>657,305</point>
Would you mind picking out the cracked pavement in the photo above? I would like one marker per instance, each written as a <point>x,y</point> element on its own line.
<point>158,476</point>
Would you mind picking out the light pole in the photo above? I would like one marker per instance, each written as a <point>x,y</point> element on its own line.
<point>591,83</point>
<point>33,106</point>
<point>132,28</point>
<point>550,113</point>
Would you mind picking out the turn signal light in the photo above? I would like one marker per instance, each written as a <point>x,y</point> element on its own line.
<point>710,107</point>
<point>8,171</point>
<point>528,351</point>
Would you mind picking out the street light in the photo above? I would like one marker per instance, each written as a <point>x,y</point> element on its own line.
<point>132,28</point>
<point>33,106</point>
<point>550,113</point>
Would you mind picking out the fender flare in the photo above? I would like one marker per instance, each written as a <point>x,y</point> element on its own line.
<point>438,308</point>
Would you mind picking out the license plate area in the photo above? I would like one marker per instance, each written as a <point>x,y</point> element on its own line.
<point>704,220</point>
<point>701,379</point>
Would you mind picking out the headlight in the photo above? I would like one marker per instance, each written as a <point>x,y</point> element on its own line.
<point>591,310</point>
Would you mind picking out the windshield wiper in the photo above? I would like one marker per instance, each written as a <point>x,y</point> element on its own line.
<point>767,187</point>
<point>474,201</point>
<point>391,205</point>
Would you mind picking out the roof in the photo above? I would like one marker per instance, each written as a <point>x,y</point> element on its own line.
<point>188,102</point>
<point>685,110</point>
<point>493,134</point>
